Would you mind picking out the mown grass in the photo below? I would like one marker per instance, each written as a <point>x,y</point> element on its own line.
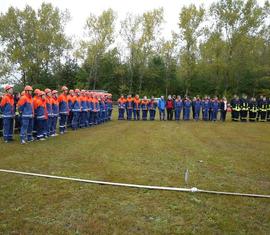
<point>220,156</point>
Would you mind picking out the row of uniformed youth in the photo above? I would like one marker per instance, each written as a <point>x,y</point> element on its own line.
<point>39,114</point>
<point>241,109</point>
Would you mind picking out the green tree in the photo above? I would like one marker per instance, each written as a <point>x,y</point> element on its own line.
<point>33,42</point>
<point>190,22</point>
<point>100,31</point>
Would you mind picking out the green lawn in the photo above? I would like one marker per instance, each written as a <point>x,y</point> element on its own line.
<point>236,157</point>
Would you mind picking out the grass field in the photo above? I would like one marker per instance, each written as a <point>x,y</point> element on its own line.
<point>220,156</point>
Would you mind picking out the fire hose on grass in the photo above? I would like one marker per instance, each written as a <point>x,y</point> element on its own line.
<point>192,190</point>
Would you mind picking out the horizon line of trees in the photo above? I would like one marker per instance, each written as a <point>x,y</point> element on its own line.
<point>222,50</point>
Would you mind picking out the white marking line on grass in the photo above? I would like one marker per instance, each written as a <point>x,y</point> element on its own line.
<point>193,190</point>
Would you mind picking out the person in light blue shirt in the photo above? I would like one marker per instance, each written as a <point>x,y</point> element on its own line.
<point>161,108</point>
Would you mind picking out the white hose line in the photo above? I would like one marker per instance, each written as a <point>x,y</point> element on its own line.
<point>193,190</point>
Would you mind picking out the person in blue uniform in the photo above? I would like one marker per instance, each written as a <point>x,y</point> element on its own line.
<point>152,105</point>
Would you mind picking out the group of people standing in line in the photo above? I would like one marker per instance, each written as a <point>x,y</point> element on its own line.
<point>207,108</point>
<point>39,113</point>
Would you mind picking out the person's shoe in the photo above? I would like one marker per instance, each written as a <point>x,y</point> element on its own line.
<point>23,142</point>
<point>41,139</point>
<point>55,134</point>
<point>6,141</point>
<point>61,133</point>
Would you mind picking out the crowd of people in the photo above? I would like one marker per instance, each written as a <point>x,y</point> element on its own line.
<point>38,113</point>
<point>207,108</point>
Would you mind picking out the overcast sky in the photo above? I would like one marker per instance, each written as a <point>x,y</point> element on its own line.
<point>80,10</point>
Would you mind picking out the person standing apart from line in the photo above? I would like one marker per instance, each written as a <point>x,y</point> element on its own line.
<point>63,110</point>
<point>169,107</point>
<point>7,109</point>
<point>161,108</point>
<point>26,109</point>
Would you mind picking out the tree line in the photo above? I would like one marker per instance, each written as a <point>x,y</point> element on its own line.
<point>221,50</point>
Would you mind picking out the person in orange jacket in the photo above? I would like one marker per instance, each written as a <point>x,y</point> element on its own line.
<point>36,96</point>
<point>48,97</point>
<point>70,115</point>
<point>26,109</point>
<point>121,107</point>
<point>90,117</point>
<point>41,114</point>
<point>110,106</point>
<point>76,109</point>
<point>95,109</point>
<point>55,112</point>
<point>144,106</point>
<point>129,107</point>
<point>136,107</point>
<point>63,110</point>
<point>8,113</point>
<point>83,113</point>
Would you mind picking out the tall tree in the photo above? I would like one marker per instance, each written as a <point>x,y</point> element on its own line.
<point>33,41</point>
<point>240,22</point>
<point>100,31</point>
<point>190,22</point>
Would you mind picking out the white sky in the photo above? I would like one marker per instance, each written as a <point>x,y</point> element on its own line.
<point>80,10</point>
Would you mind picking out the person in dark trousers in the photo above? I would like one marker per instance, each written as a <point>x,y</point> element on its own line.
<point>268,110</point>
<point>244,108</point>
<point>8,113</point>
<point>259,102</point>
<point>178,106</point>
<point>152,105</point>
<point>253,109</point>
<point>169,107</point>
<point>129,107</point>
<point>214,107</point>
<point>136,107</point>
<point>263,109</point>
<point>235,105</point>
<point>223,109</point>
<point>197,108</point>
<point>173,111</point>
<point>187,106</point>
<point>144,106</point>
<point>193,107</point>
